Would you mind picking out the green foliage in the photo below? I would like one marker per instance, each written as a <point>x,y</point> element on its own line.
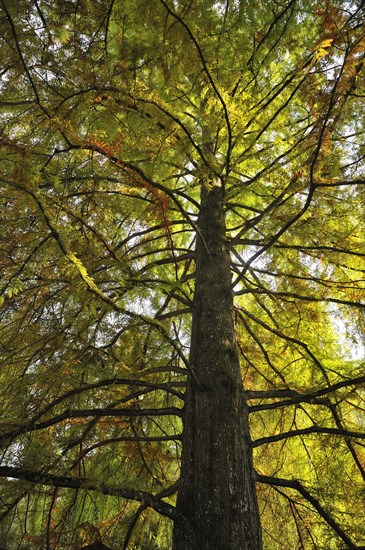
<point>114,115</point>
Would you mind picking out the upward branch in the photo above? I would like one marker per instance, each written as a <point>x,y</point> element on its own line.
<point>211,81</point>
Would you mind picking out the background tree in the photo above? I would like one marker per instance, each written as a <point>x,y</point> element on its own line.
<point>182,176</point>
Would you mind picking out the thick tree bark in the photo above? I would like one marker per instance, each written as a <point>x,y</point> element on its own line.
<point>217,494</point>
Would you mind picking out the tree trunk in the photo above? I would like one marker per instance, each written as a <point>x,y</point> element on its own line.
<point>217,496</point>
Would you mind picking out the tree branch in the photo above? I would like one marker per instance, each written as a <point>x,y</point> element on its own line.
<point>307,431</point>
<point>297,486</point>
<point>211,80</point>
<point>84,413</point>
<point>51,480</point>
<point>296,397</point>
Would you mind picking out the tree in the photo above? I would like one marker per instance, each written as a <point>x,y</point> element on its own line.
<point>182,257</point>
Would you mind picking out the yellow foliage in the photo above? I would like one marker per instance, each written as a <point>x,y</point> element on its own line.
<point>322,49</point>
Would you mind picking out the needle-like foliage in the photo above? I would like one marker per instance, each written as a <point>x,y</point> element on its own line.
<point>182,257</point>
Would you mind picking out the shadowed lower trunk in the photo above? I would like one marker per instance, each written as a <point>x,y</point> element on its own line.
<point>217,494</point>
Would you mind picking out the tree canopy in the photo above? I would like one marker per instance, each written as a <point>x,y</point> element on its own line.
<point>116,118</point>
